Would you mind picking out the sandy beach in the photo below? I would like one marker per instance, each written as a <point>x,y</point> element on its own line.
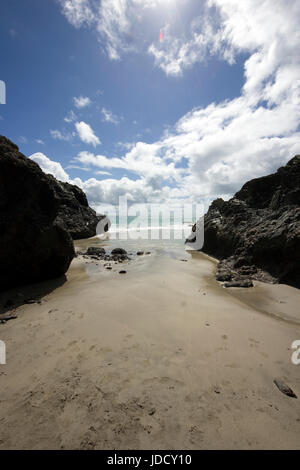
<point>162,357</point>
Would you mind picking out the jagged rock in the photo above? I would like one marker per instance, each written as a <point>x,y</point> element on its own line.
<point>256,234</point>
<point>223,276</point>
<point>33,246</point>
<point>74,213</point>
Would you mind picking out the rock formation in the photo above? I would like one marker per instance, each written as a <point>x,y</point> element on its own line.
<point>256,234</point>
<point>74,213</point>
<point>34,243</point>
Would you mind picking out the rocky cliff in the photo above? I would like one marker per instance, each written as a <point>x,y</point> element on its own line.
<point>256,234</point>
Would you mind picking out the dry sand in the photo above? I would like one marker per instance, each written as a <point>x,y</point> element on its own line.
<point>162,357</point>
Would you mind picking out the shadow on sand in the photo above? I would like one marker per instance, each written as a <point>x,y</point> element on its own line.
<point>27,294</point>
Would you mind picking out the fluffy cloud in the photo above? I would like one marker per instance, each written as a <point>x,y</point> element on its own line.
<point>143,159</point>
<point>175,54</point>
<point>49,166</point>
<point>81,102</point>
<point>86,133</point>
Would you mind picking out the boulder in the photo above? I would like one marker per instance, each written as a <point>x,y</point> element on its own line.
<point>33,244</point>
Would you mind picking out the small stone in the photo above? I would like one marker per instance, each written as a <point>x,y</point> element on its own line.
<point>140,253</point>
<point>96,251</point>
<point>122,272</point>
<point>119,251</point>
<point>284,388</point>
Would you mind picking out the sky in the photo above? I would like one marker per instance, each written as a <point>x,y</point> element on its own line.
<point>169,101</point>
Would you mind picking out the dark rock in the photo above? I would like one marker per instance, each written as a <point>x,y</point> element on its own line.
<point>239,283</point>
<point>122,272</point>
<point>140,253</point>
<point>119,251</point>
<point>9,303</point>
<point>74,213</point>
<point>256,233</point>
<point>96,251</point>
<point>33,246</point>
<point>284,388</point>
<point>223,276</point>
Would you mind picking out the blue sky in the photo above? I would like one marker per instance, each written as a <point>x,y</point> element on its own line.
<point>96,98</point>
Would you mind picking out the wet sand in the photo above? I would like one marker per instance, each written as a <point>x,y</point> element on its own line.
<point>161,357</point>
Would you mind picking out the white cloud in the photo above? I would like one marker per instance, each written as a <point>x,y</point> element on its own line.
<point>40,142</point>
<point>175,54</point>
<point>115,21</point>
<point>81,102</point>
<point>78,12</point>
<point>143,159</point>
<point>86,133</point>
<point>108,116</point>
<point>49,166</point>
